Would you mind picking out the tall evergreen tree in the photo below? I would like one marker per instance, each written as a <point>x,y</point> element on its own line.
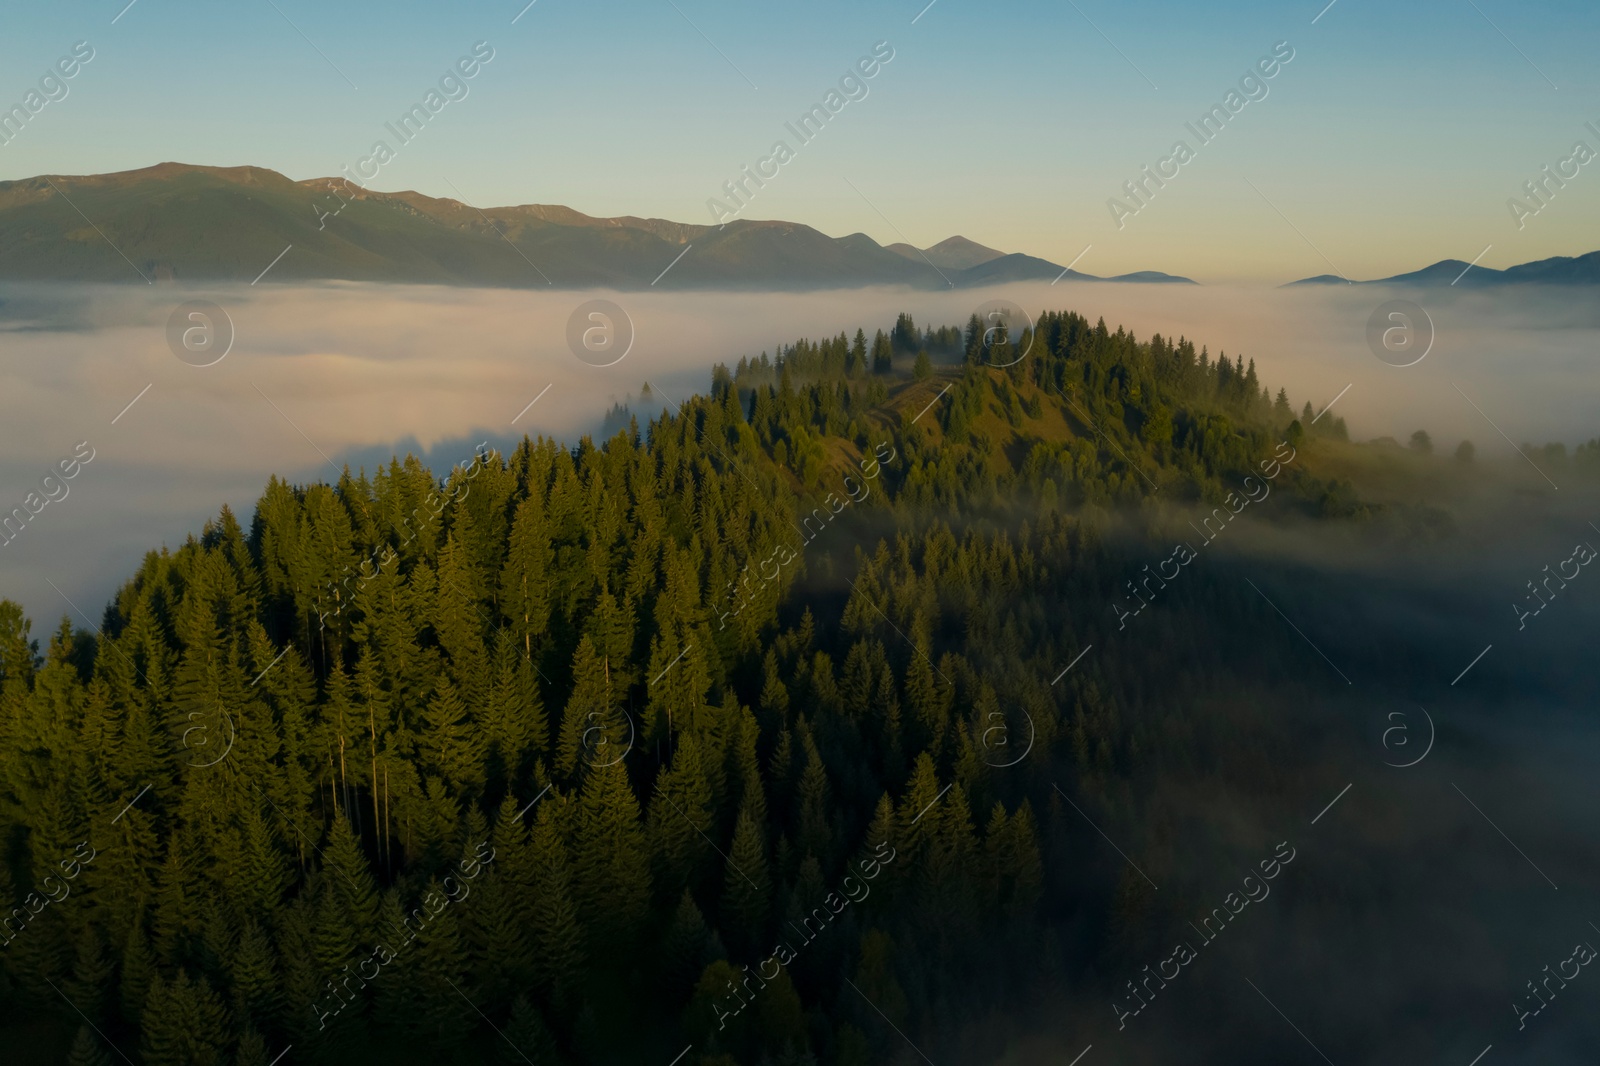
<point>747,889</point>
<point>557,937</point>
<point>611,863</point>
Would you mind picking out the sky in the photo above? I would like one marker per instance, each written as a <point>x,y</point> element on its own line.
<point>1393,138</point>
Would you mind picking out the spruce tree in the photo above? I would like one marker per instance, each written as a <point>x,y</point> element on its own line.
<point>88,1049</point>
<point>438,976</point>
<point>527,1039</point>
<point>348,875</point>
<point>496,938</point>
<point>684,948</point>
<point>816,835</point>
<point>524,581</point>
<point>747,889</point>
<point>184,1024</point>
<point>611,863</point>
<point>592,726</point>
<point>138,970</point>
<point>679,811</point>
<point>556,934</point>
<point>447,744</point>
<point>252,1049</point>
<point>253,977</point>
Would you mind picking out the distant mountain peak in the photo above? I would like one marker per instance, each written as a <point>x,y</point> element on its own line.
<point>1447,273</point>
<point>952,253</point>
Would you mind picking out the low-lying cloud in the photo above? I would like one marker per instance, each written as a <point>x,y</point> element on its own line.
<point>321,375</point>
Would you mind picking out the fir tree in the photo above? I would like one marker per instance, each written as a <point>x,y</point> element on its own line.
<point>88,1049</point>
<point>253,976</point>
<point>184,1024</point>
<point>611,865</point>
<point>527,1038</point>
<point>555,933</point>
<point>747,890</point>
<point>684,948</point>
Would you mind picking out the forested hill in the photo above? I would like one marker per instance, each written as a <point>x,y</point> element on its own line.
<point>748,731</point>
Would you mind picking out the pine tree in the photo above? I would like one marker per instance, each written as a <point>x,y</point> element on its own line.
<point>882,354</point>
<point>393,989</point>
<point>611,863</point>
<point>926,702</point>
<point>437,815</point>
<point>948,889</point>
<point>446,745</point>
<point>747,890</point>
<point>184,1024</point>
<point>252,1049</point>
<point>138,971</point>
<point>253,976</point>
<point>556,935</point>
<point>351,880</point>
<point>457,619</point>
<point>684,948</point>
<point>334,952</point>
<point>857,362</point>
<point>176,927</point>
<point>88,1049</point>
<point>91,981</point>
<point>527,1038</point>
<point>499,943</point>
<point>815,834</point>
<point>1017,857</point>
<point>263,876</point>
<point>876,980</point>
<point>592,729</point>
<point>747,768</point>
<point>679,810</point>
<point>515,721</point>
<point>524,581</point>
<point>437,971</point>
<point>774,696</point>
<point>917,816</point>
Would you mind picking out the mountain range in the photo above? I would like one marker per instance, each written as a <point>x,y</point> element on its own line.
<point>1557,270</point>
<point>180,222</point>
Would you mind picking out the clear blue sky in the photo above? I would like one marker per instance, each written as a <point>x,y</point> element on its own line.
<point>1393,138</point>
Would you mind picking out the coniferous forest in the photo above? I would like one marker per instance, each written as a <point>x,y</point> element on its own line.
<point>792,726</point>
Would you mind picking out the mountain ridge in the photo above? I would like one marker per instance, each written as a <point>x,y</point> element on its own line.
<point>184,222</point>
<point>1556,270</point>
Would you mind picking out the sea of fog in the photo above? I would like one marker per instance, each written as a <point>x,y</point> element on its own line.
<point>321,375</point>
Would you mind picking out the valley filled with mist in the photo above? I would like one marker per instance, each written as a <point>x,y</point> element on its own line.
<point>984,694</point>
